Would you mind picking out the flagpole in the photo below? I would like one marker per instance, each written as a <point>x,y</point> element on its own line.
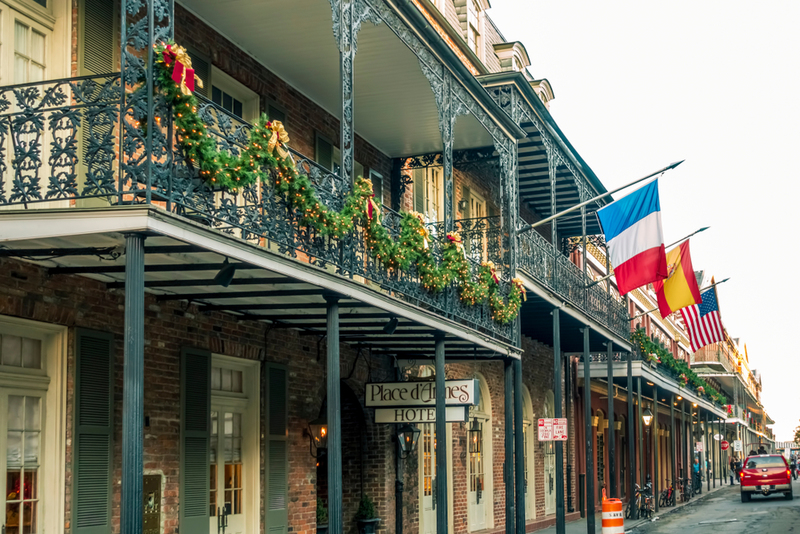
<point>530,227</point>
<point>609,275</point>
<point>701,290</point>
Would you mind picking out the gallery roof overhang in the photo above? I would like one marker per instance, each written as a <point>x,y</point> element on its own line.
<point>650,379</point>
<point>183,257</point>
<point>534,177</point>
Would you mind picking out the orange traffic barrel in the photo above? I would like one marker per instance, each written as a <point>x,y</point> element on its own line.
<point>613,522</point>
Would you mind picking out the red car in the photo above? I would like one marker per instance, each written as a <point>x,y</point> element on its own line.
<point>766,474</point>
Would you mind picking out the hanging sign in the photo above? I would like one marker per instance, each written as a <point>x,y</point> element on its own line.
<point>724,445</point>
<point>737,445</point>
<point>453,414</point>
<point>397,394</point>
<point>718,436</point>
<point>552,429</point>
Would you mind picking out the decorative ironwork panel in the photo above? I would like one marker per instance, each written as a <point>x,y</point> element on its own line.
<point>61,139</point>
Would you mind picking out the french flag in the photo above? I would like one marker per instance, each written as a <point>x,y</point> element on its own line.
<point>634,237</point>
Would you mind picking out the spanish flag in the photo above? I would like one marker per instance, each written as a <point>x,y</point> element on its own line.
<point>680,289</point>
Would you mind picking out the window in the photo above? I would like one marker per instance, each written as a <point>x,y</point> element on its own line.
<point>429,193</point>
<point>223,379</point>
<point>232,96</point>
<point>20,352</point>
<point>473,27</point>
<point>377,185</point>
<point>330,156</point>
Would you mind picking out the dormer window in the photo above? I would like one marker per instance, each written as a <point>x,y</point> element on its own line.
<point>473,26</point>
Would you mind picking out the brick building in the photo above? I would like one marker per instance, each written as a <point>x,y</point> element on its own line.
<point>166,344</point>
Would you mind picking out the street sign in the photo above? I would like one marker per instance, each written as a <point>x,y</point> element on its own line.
<point>698,446</point>
<point>724,445</point>
<point>552,429</point>
<point>396,394</point>
<point>453,414</point>
<point>737,445</point>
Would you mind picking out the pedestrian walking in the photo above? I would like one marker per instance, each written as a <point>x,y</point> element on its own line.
<point>731,469</point>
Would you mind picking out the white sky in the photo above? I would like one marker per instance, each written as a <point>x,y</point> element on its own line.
<point>639,85</point>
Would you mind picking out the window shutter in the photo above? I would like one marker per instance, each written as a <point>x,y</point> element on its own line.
<point>94,431</point>
<point>276,114</point>
<point>202,68</point>
<point>195,431</point>
<point>97,38</point>
<point>324,153</point>
<point>419,190</point>
<point>276,445</point>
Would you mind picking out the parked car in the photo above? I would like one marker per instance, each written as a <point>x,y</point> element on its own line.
<point>765,474</point>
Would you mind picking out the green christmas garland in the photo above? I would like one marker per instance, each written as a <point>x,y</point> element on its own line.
<point>678,368</point>
<point>264,159</point>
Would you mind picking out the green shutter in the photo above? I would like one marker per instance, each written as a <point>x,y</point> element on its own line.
<point>195,431</point>
<point>202,68</point>
<point>324,153</point>
<point>93,452</point>
<point>276,114</point>
<point>276,451</point>
<point>419,190</point>
<point>97,38</point>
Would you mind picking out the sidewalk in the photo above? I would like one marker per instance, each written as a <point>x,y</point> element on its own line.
<point>579,526</point>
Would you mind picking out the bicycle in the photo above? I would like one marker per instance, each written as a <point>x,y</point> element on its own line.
<point>634,503</point>
<point>647,503</point>
<point>667,497</point>
<point>687,490</point>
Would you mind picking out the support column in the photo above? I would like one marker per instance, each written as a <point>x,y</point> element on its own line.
<point>508,464</point>
<point>707,453</point>
<point>131,506</point>
<point>687,466</point>
<point>654,424</point>
<point>672,442</point>
<point>630,432</point>
<point>347,55</point>
<point>519,446</point>
<point>612,463</point>
<point>335,516</point>
<point>641,433</point>
<point>587,414</point>
<point>559,445</point>
<point>441,434</point>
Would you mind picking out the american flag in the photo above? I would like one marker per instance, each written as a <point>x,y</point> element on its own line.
<point>703,321</point>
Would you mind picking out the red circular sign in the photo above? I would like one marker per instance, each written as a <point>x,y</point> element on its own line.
<point>724,445</point>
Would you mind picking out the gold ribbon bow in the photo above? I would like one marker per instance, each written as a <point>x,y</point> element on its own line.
<point>182,73</point>
<point>455,237</point>
<point>490,265</point>
<point>422,229</point>
<point>521,286</point>
<point>278,139</point>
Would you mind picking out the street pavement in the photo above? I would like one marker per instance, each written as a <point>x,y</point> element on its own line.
<point>723,511</point>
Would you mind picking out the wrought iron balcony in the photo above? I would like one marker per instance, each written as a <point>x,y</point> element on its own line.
<point>60,146</point>
<point>538,258</point>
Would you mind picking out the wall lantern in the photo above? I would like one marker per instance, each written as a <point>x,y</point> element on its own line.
<point>647,416</point>
<point>407,435</point>
<point>475,439</point>
<point>318,435</point>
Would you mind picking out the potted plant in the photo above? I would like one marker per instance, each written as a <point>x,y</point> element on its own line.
<point>366,517</point>
<point>322,517</point>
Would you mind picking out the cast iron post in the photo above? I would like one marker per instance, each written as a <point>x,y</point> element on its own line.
<point>630,432</point>
<point>559,445</point>
<point>654,424</point>
<point>706,452</point>
<point>519,446</point>
<point>335,516</point>
<point>672,440</point>
<point>640,436</point>
<point>508,464</point>
<point>587,414</point>
<point>131,507</point>
<point>612,463</point>
<point>441,435</point>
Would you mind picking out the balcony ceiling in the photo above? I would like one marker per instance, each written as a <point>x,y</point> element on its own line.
<point>394,106</point>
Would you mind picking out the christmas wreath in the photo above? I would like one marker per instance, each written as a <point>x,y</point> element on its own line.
<point>265,159</point>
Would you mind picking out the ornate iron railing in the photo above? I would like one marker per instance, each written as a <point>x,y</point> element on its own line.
<point>67,133</point>
<point>537,257</point>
